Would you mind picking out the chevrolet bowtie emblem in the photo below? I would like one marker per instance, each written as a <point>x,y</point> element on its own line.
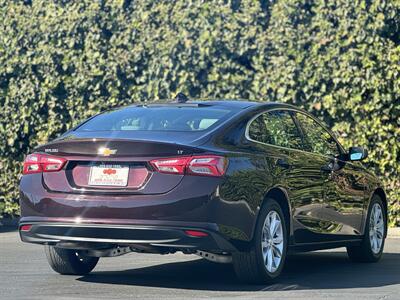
<point>106,151</point>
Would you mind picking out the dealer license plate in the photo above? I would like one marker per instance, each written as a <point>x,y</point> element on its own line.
<point>111,175</point>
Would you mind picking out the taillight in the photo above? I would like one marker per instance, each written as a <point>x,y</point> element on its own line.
<point>38,163</point>
<point>171,165</point>
<point>205,165</point>
<point>52,164</point>
<point>32,164</point>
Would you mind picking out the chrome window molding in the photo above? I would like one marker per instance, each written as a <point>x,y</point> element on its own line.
<point>247,136</point>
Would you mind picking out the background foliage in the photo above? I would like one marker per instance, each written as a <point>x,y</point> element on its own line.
<point>62,61</point>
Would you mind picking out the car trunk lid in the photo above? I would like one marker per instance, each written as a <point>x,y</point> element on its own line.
<point>117,166</point>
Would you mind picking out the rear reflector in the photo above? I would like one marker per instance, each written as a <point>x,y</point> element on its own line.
<point>205,165</point>
<point>38,163</point>
<point>195,233</point>
<point>26,227</point>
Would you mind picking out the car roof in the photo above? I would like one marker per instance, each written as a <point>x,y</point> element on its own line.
<point>238,104</point>
<point>245,104</point>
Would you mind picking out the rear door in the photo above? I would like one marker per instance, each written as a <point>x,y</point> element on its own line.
<point>290,167</point>
<point>342,208</point>
<point>276,135</point>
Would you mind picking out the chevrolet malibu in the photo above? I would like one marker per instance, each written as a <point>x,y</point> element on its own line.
<point>231,181</point>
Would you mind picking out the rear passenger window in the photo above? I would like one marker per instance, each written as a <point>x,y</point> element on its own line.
<point>275,128</point>
<point>318,139</point>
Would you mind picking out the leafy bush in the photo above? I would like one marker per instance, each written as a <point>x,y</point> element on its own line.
<point>62,61</point>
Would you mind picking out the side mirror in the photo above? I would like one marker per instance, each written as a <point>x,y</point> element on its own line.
<point>357,153</point>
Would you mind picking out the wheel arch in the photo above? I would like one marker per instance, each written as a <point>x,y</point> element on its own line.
<point>280,195</point>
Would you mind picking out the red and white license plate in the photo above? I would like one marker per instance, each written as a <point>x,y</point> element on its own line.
<point>113,175</point>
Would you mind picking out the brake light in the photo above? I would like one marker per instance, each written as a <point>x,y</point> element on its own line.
<point>32,164</point>
<point>38,163</point>
<point>205,165</point>
<point>171,165</point>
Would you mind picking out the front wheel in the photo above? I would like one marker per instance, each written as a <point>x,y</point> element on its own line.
<point>371,248</point>
<point>68,261</point>
<point>266,256</point>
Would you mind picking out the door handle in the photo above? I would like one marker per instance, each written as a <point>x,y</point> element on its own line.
<point>283,163</point>
<point>327,168</point>
<point>331,166</point>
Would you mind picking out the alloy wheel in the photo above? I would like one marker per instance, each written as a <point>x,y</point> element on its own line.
<point>376,228</point>
<point>272,241</point>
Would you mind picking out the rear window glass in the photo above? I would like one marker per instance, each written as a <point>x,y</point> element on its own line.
<point>157,118</point>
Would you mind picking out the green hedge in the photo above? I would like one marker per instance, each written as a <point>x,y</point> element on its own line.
<point>62,61</point>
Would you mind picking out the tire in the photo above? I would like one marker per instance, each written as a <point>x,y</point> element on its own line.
<point>367,250</point>
<point>251,266</point>
<point>68,261</point>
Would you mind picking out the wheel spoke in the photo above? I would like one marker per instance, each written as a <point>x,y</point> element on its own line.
<point>264,244</point>
<point>373,243</point>
<point>277,240</point>
<point>380,224</point>
<point>276,227</point>
<point>266,232</point>
<point>371,233</point>
<point>265,254</point>
<point>266,229</point>
<point>376,244</point>
<point>377,214</point>
<point>277,252</point>
<point>372,218</point>
<point>268,221</point>
<point>269,260</point>
<point>272,224</point>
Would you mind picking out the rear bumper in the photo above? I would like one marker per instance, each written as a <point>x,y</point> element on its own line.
<point>154,235</point>
<point>194,203</point>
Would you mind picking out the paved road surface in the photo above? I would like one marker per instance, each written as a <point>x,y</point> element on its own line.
<point>24,274</point>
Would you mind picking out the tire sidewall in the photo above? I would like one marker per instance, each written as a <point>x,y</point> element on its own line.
<point>66,261</point>
<point>269,205</point>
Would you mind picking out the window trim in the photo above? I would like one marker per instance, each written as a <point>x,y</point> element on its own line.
<point>299,128</point>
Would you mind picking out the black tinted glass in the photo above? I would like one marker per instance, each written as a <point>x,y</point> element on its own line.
<point>276,128</point>
<point>157,118</point>
<point>319,140</point>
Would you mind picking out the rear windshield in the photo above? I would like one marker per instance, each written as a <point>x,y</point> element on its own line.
<point>157,118</point>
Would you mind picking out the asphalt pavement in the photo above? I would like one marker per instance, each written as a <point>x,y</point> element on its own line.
<point>24,274</point>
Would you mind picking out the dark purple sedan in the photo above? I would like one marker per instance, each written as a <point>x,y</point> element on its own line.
<point>232,181</point>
